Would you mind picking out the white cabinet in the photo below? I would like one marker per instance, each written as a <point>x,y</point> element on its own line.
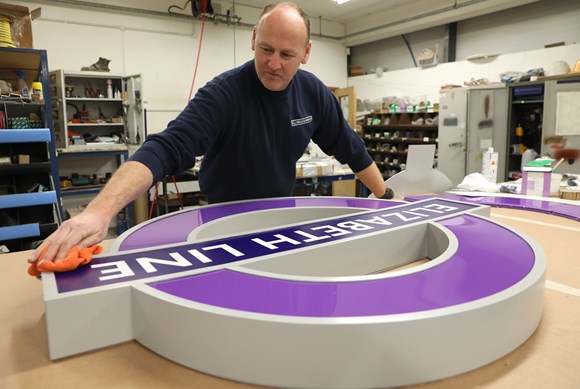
<point>96,116</point>
<point>96,110</point>
<point>471,120</point>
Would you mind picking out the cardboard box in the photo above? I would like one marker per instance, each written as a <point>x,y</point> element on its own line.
<point>344,188</point>
<point>356,71</point>
<point>21,25</point>
<point>187,199</point>
<point>313,169</point>
<point>570,193</point>
<point>170,199</point>
<point>22,159</point>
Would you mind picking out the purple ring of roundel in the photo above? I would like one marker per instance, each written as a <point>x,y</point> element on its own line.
<point>489,259</point>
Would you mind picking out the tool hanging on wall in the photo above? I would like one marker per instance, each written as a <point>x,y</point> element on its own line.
<point>487,122</point>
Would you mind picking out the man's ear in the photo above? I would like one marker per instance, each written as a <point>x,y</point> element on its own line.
<point>254,39</point>
<point>306,53</point>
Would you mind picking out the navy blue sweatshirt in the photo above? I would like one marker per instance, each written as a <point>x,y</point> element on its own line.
<point>251,137</point>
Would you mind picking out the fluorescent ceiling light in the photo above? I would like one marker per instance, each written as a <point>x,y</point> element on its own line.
<point>340,1</point>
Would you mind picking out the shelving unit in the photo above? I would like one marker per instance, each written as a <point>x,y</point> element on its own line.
<point>388,135</point>
<point>93,129</point>
<point>77,194</point>
<point>29,206</point>
<point>85,192</point>
<point>84,113</point>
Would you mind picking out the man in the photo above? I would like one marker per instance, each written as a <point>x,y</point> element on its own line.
<point>251,124</point>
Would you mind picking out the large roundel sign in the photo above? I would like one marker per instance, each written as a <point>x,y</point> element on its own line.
<point>309,292</point>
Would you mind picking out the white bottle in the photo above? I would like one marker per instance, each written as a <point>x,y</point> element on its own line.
<point>109,89</point>
<point>489,165</point>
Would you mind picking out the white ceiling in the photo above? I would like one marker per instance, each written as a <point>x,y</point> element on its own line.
<point>354,22</point>
<point>369,20</point>
<point>330,10</point>
<point>355,10</point>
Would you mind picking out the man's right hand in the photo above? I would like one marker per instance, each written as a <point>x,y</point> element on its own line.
<point>83,230</point>
<point>91,226</point>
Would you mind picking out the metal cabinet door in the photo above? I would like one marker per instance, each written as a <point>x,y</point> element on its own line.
<point>452,138</point>
<point>487,113</point>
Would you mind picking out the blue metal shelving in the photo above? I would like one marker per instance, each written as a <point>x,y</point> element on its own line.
<point>19,231</point>
<point>26,135</point>
<point>28,216</point>
<point>27,199</point>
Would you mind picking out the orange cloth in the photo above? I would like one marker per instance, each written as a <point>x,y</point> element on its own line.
<point>74,258</point>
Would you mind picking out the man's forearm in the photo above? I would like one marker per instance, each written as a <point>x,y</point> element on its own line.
<point>130,181</point>
<point>373,179</point>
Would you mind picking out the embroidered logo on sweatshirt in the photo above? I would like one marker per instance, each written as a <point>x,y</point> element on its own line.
<point>301,121</point>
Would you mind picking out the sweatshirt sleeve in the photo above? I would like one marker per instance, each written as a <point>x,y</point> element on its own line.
<point>190,134</point>
<point>336,137</point>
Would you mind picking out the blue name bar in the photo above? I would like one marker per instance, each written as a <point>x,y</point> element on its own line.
<point>144,264</point>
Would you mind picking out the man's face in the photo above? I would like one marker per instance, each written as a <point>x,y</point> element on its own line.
<point>279,43</point>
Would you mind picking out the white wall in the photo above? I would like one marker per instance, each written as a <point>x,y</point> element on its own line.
<point>427,82</point>
<point>523,28</point>
<point>393,53</point>
<point>162,49</point>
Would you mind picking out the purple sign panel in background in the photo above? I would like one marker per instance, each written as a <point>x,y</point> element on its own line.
<point>570,211</point>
